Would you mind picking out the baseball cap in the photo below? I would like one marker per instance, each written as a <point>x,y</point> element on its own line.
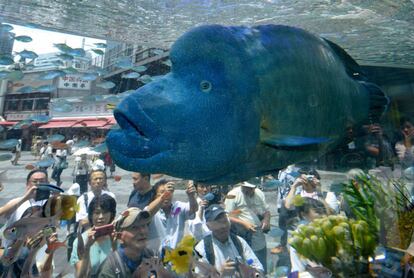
<point>212,212</point>
<point>129,216</point>
<point>248,184</point>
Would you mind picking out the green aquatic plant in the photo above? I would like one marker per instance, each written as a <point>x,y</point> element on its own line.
<point>385,206</point>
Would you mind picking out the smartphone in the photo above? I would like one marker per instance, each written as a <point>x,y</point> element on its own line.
<point>104,230</point>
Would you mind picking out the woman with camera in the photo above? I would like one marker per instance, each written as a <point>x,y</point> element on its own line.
<point>96,243</point>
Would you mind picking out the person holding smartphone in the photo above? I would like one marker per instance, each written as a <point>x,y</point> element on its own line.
<point>97,240</point>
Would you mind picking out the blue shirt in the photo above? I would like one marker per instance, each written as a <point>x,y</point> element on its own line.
<point>141,201</point>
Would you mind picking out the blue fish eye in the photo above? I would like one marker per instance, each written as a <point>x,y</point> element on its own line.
<point>205,86</point>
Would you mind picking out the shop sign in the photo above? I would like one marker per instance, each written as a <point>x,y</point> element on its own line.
<point>20,116</point>
<point>74,82</point>
<point>85,108</point>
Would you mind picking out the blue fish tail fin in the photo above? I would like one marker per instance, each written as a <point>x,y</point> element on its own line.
<point>351,66</point>
<point>378,101</point>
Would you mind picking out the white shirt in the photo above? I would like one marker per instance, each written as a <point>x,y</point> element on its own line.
<point>98,164</point>
<point>198,227</point>
<point>227,250</point>
<point>83,210</point>
<point>170,228</point>
<point>249,208</point>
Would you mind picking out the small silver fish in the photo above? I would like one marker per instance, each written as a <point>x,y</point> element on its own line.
<point>28,227</point>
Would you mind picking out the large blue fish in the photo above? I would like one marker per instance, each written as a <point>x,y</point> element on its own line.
<point>240,102</point>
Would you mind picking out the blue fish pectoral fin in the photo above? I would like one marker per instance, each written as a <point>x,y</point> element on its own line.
<point>285,141</point>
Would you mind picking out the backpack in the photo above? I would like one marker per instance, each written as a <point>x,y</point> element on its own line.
<point>208,247</point>
<point>116,264</point>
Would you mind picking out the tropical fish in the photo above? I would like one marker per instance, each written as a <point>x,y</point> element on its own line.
<point>8,144</point>
<point>44,163</point>
<point>180,257</point>
<point>6,27</point>
<point>241,102</point>
<point>145,78</point>
<point>25,90</point>
<point>100,45</point>
<point>131,75</point>
<point>28,227</point>
<point>89,76</point>
<point>23,38</point>
<point>79,52</point>
<point>23,124</point>
<point>139,68</point>
<point>98,51</point>
<point>52,74</point>
<point>40,118</point>
<point>46,88</point>
<point>62,47</point>
<point>62,107</point>
<point>27,54</point>
<point>106,85</point>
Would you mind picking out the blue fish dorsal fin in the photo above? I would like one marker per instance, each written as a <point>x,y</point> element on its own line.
<point>351,66</point>
<point>283,141</point>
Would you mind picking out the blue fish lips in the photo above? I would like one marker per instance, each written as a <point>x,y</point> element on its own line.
<point>138,136</point>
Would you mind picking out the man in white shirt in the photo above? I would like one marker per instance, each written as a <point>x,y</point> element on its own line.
<point>97,182</point>
<point>253,219</point>
<point>197,226</point>
<point>169,221</point>
<point>227,252</point>
<point>15,208</point>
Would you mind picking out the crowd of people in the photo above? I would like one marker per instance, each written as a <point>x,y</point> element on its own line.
<point>229,227</point>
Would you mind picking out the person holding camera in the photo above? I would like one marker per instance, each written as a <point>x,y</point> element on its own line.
<point>132,230</point>
<point>205,198</point>
<point>169,221</point>
<point>227,252</point>
<point>250,217</point>
<point>97,240</point>
<point>308,185</point>
<point>15,208</point>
